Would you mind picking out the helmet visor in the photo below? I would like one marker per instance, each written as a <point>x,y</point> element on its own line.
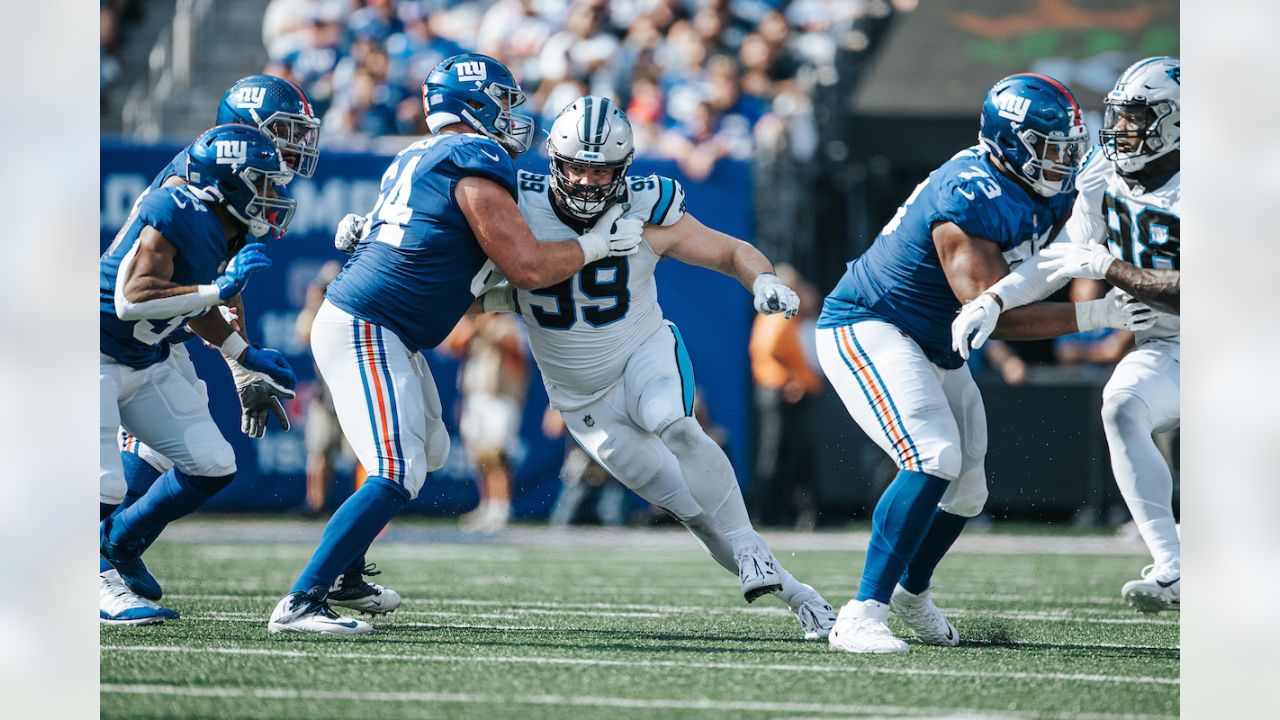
<point>271,209</point>
<point>515,131</point>
<point>298,138</point>
<point>1125,129</point>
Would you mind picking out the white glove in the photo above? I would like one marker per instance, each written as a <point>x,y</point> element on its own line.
<point>774,297</point>
<point>611,237</point>
<point>259,400</point>
<point>350,230</point>
<point>974,324</point>
<point>1069,260</point>
<point>501,298</point>
<point>1116,310</point>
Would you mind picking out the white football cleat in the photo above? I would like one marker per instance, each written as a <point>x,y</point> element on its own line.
<point>351,590</point>
<point>299,612</point>
<point>863,627</point>
<point>1159,589</point>
<point>923,617</point>
<point>757,570</point>
<point>118,605</point>
<point>813,612</point>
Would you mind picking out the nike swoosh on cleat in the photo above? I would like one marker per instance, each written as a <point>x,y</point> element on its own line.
<point>1167,584</point>
<point>951,635</point>
<point>347,624</point>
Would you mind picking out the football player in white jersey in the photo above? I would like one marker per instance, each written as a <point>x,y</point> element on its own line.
<point>1124,229</point>
<point>616,369</point>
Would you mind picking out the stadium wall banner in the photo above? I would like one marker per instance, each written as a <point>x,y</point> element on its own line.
<point>713,311</point>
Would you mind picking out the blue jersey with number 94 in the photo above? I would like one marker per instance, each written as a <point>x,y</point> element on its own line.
<point>900,280</point>
<point>412,272</point>
<point>203,251</point>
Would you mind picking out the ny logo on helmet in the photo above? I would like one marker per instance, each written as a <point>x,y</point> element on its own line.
<point>231,152</point>
<point>472,70</point>
<point>251,97</point>
<point>1014,107</point>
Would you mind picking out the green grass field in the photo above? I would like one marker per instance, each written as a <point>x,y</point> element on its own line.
<point>636,624</point>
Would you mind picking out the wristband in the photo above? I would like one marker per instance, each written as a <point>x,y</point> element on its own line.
<point>233,346</point>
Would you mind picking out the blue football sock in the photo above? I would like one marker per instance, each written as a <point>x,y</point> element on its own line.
<point>350,532</point>
<point>175,494</point>
<point>898,524</point>
<point>943,531</point>
<point>105,510</point>
<point>139,475</point>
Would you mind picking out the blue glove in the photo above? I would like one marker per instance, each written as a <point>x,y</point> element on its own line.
<point>248,261</point>
<point>270,363</point>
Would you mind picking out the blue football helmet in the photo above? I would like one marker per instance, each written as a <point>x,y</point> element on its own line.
<point>1032,124</point>
<point>280,109</point>
<point>481,92</point>
<point>239,167</point>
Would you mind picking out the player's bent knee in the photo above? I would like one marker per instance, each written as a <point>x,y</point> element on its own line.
<point>112,489</point>
<point>437,450</point>
<point>213,460</point>
<point>968,501</point>
<point>1125,411</point>
<point>947,463</point>
<point>683,436</point>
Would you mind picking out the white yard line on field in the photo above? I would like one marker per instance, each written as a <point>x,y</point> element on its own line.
<point>542,660</point>
<point>586,701</point>
<point>641,610</point>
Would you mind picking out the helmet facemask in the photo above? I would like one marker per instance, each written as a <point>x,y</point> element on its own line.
<point>512,131</point>
<point>1143,138</point>
<point>298,138</point>
<point>1053,155</point>
<point>582,200</point>
<point>266,211</point>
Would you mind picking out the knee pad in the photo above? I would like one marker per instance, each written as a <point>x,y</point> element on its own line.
<point>437,447</point>
<point>683,436</point>
<point>111,488</point>
<point>209,455</point>
<point>947,463</point>
<point>1125,411</point>
<point>966,497</point>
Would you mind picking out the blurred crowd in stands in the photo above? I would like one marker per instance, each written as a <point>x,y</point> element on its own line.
<point>700,79</point>
<point>111,15</point>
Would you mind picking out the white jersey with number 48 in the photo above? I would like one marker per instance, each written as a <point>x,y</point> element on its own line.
<point>582,331</point>
<point>1138,225</point>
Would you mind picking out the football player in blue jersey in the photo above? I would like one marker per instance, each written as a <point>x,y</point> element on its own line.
<point>445,220</point>
<point>182,253</point>
<point>884,341</point>
<point>281,110</point>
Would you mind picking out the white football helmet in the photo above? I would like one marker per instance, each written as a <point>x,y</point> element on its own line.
<point>593,131</point>
<point>1147,97</point>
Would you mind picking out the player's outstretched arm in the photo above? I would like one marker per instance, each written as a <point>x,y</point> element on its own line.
<point>1158,288</point>
<point>974,264</point>
<point>528,264</point>
<point>689,241</point>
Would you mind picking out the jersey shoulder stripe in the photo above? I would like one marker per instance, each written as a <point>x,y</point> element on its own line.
<point>659,199</point>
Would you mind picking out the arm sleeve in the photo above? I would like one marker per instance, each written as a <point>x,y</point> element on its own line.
<point>161,211</point>
<point>1025,284</point>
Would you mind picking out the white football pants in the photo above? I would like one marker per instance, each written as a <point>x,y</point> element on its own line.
<point>384,395</point>
<point>1142,397</point>
<point>927,419</point>
<point>166,407</point>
